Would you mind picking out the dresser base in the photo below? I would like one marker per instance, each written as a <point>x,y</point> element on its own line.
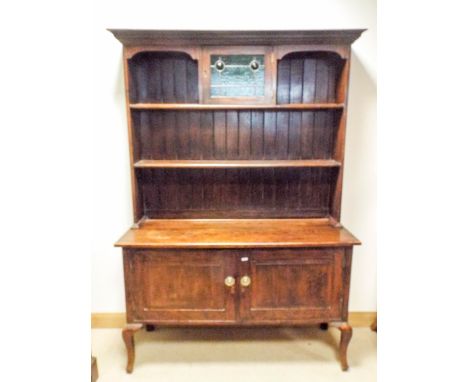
<point>237,273</point>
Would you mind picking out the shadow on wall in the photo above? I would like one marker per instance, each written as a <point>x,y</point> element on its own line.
<point>119,89</point>
<point>360,183</point>
<point>362,96</point>
<point>360,180</point>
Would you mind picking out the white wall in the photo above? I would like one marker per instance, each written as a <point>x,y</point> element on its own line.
<point>112,199</point>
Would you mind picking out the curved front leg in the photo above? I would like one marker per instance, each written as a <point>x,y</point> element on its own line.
<point>128,336</point>
<point>346,334</point>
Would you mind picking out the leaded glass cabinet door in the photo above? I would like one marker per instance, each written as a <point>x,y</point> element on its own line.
<point>232,75</point>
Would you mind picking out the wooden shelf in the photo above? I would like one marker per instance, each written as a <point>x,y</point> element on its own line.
<point>236,233</point>
<point>196,106</point>
<point>147,163</point>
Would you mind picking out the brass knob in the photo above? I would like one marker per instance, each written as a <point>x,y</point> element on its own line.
<point>254,65</point>
<point>245,281</point>
<point>220,65</point>
<point>229,281</point>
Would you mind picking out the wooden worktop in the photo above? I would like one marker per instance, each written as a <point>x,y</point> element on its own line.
<point>236,233</point>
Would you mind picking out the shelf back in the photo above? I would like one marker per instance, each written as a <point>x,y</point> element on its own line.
<point>237,193</point>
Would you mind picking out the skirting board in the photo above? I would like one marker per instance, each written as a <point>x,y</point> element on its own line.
<point>117,320</point>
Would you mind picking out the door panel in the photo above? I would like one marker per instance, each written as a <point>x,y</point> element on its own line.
<point>183,286</point>
<point>292,285</point>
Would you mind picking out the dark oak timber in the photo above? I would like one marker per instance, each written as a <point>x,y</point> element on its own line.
<point>237,181</point>
<point>324,326</point>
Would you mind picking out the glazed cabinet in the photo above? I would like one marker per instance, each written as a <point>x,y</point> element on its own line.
<point>237,145</point>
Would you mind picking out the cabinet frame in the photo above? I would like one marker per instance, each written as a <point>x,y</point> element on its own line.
<point>259,196</point>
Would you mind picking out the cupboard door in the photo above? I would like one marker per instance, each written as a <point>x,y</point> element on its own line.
<point>180,286</point>
<point>291,286</point>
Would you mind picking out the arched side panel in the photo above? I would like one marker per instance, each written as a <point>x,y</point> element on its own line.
<point>192,51</point>
<point>309,77</point>
<point>342,51</point>
<point>163,77</point>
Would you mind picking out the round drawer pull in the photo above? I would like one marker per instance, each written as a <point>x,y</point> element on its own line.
<point>245,281</point>
<point>229,281</point>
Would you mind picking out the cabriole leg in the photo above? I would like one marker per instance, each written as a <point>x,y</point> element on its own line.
<point>128,336</point>
<point>346,334</point>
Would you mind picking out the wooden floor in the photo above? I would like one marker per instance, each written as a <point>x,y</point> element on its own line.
<point>236,233</point>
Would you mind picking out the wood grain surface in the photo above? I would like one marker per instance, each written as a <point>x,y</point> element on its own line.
<point>232,233</point>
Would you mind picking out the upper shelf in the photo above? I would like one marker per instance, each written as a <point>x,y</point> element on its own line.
<point>197,106</point>
<point>148,163</point>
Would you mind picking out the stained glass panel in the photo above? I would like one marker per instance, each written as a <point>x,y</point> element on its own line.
<point>237,75</point>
